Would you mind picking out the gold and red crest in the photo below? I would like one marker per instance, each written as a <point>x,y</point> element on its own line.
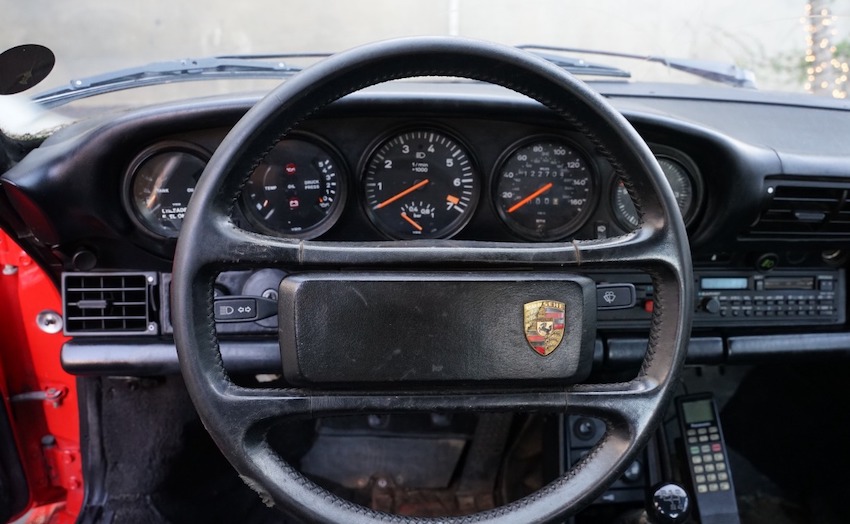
<point>544,325</point>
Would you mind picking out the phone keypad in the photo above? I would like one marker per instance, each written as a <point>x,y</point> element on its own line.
<point>707,460</point>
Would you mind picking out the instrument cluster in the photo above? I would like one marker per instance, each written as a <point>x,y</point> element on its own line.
<point>417,183</point>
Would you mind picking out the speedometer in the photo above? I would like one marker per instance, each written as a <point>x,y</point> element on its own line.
<point>544,189</point>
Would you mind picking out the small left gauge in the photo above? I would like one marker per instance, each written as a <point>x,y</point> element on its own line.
<point>298,189</point>
<point>162,180</point>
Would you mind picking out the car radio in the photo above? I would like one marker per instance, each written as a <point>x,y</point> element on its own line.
<point>744,298</point>
<point>748,297</point>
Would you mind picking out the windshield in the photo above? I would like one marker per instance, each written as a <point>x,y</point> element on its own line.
<point>790,45</point>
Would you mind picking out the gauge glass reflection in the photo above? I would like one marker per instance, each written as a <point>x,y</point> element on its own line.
<point>163,181</point>
<point>681,182</point>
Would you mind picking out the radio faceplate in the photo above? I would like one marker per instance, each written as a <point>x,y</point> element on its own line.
<point>781,298</point>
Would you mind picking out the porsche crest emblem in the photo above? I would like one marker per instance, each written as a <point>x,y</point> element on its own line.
<point>544,325</point>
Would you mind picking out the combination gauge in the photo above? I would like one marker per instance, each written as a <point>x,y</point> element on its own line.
<point>297,190</point>
<point>420,184</point>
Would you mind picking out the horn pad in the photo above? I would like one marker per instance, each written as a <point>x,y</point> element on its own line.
<point>341,329</point>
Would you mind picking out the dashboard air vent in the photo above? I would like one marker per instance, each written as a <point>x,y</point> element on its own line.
<point>109,303</point>
<point>805,210</point>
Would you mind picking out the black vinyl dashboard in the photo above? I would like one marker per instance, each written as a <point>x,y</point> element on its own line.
<point>763,182</point>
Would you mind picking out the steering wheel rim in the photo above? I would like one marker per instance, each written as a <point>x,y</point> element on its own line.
<point>238,417</point>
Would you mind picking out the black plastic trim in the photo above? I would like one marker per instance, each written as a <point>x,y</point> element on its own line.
<point>14,491</point>
<point>749,348</point>
<point>89,392</point>
<point>99,357</point>
<point>624,352</point>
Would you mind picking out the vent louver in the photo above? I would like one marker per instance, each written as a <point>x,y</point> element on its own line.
<point>109,303</point>
<point>805,210</point>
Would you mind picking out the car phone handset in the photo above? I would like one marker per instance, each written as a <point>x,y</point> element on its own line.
<point>707,459</point>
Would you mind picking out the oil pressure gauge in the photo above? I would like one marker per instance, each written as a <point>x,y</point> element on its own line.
<point>297,190</point>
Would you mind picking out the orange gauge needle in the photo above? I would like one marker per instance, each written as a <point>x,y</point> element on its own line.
<point>530,197</point>
<point>407,191</point>
<point>411,221</point>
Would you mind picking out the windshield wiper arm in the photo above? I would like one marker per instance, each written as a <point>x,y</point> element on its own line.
<point>722,72</point>
<point>187,69</point>
<point>578,66</point>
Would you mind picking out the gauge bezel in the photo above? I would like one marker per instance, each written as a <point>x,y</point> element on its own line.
<point>127,194</point>
<point>325,224</point>
<point>385,137</point>
<point>692,172</point>
<point>567,229</point>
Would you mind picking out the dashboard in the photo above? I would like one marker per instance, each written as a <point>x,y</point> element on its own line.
<point>762,182</point>
<point>421,181</point>
<point>500,168</point>
<point>760,179</point>
<point>437,284</point>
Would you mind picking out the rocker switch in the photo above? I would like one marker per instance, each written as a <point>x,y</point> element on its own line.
<point>243,309</point>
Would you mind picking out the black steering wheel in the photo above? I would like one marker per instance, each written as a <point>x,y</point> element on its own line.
<point>238,418</point>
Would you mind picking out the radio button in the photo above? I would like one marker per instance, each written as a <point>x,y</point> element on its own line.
<point>711,305</point>
<point>826,285</point>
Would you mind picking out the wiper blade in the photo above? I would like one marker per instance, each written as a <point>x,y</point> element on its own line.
<point>578,66</point>
<point>721,72</point>
<point>184,70</point>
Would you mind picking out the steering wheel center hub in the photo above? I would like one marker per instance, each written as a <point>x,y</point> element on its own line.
<point>401,329</point>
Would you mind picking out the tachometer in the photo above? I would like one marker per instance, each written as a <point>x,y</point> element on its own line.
<point>297,190</point>
<point>544,189</point>
<point>682,181</point>
<point>161,183</point>
<point>420,184</point>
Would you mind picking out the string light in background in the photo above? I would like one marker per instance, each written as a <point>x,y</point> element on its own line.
<point>826,73</point>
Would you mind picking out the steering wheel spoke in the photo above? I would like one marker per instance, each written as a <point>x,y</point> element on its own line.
<point>253,406</point>
<point>231,247</point>
<point>621,405</point>
<point>226,246</point>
